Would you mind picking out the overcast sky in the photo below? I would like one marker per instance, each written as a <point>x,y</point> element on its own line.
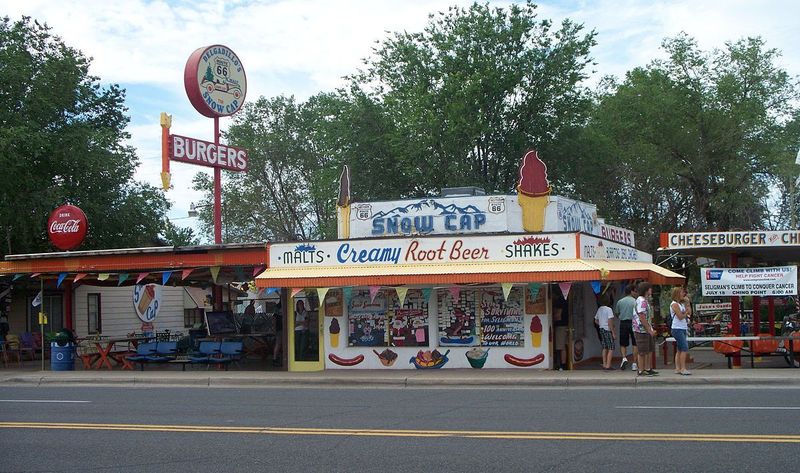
<point>302,47</point>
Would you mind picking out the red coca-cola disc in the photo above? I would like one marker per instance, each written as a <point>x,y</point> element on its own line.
<point>67,227</point>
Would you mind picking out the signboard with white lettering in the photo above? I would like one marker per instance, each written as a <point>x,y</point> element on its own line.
<point>206,153</point>
<point>751,239</point>
<point>776,281</point>
<point>436,250</point>
<point>712,307</point>
<point>596,248</point>
<point>571,216</point>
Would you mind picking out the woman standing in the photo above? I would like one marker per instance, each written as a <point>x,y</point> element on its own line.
<point>680,310</point>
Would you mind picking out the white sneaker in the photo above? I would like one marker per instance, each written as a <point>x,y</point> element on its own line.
<point>634,367</point>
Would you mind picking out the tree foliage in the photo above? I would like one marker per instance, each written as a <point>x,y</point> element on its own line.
<point>62,140</point>
<point>693,142</point>
<point>475,89</point>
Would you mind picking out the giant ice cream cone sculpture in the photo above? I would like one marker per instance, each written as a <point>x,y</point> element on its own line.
<point>334,333</point>
<point>533,191</point>
<point>536,331</point>
<point>343,204</point>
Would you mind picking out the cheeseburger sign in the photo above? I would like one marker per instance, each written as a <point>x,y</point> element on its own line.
<point>215,81</point>
<point>67,227</point>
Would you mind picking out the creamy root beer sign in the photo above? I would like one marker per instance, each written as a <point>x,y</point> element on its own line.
<point>424,250</point>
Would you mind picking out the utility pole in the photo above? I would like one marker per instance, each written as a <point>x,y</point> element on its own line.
<point>792,190</point>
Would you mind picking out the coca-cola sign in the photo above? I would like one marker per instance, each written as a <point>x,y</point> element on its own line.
<point>67,227</point>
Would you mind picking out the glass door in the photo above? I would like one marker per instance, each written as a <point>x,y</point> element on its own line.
<point>305,328</point>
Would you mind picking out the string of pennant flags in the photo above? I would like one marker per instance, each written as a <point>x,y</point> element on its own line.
<point>165,275</point>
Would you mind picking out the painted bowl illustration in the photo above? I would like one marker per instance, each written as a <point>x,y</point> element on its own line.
<point>426,360</point>
<point>477,357</point>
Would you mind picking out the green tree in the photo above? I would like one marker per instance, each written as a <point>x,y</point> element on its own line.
<point>209,74</point>
<point>475,89</point>
<point>62,140</point>
<point>693,142</point>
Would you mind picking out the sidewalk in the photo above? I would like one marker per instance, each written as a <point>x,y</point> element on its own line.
<point>499,378</point>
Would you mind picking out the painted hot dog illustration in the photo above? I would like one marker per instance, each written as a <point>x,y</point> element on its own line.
<point>346,361</point>
<point>524,362</point>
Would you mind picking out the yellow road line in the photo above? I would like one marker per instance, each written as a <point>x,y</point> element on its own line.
<point>621,436</point>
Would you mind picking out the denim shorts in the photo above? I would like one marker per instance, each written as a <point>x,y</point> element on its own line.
<point>680,339</point>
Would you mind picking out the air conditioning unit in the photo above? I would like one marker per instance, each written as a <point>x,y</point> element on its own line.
<point>468,191</point>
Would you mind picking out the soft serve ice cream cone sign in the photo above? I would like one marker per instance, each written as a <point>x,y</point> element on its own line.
<point>147,301</point>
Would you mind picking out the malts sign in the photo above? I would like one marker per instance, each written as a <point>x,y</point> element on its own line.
<point>67,227</point>
<point>206,153</point>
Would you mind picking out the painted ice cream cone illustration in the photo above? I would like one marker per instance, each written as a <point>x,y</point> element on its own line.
<point>536,331</point>
<point>343,203</point>
<point>533,191</point>
<point>147,296</point>
<point>334,332</point>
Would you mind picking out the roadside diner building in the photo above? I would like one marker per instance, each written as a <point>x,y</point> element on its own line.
<point>458,281</point>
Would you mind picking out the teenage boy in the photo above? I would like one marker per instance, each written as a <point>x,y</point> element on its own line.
<point>624,310</point>
<point>643,329</point>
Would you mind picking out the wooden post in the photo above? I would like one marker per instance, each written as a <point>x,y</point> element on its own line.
<point>735,321</point>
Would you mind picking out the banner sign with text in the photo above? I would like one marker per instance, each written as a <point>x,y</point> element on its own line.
<point>444,250</point>
<point>776,281</point>
<point>596,248</point>
<point>206,153</point>
<point>751,239</point>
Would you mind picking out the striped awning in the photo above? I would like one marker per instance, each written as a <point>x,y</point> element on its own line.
<point>467,273</point>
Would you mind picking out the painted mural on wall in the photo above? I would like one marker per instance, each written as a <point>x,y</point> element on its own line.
<point>366,320</point>
<point>409,323</point>
<point>147,301</point>
<point>538,305</point>
<point>457,312</point>
<point>334,305</point>
<point>502,320</point>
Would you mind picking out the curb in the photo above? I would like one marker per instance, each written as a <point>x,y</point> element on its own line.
<point>401,382</point>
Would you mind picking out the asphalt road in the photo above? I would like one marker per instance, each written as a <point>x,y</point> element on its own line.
<point>161,429</point>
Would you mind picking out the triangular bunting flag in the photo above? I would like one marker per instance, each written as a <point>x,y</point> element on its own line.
<point>296,291</point>
<point>185,273</point>
<point>61,277</point>
<point>165,277</point>
<point>373,291</point>
<point>321,291</point>
<point>79,276</point>
<point>105,276</point>
<point>35,275</point>
<point>270,290</point>
<point>258,270</point>
<point>141,276</point>
<point>347,292</point>
<point>401,294</point>
<point>454,292</point>
<point>122,278</point>
<point>16,276</point>
<point>596,287</point>
<point>426,293</point>
<point>565,286</point>
<point>214,272</point>
<point>534,288</point>
<point>608,284</point>
<point>506,289</point>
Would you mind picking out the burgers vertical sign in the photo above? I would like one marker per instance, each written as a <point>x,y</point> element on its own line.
<point>67,227</point>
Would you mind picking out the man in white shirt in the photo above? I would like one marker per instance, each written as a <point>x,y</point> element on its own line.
<point>601,319</point>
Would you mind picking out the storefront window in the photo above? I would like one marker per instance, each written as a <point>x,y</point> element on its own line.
<point>93,305</point>
<point>408,326</point>
<point>366,320</point>
<point>457,327</point>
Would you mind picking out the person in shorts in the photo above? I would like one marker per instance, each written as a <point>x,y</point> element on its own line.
<point>623,311</point>
<point>680,309</point>
<point>601,319</point>
<point>643,329</point>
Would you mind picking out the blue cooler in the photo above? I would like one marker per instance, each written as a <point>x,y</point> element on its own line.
<point>62,358</point>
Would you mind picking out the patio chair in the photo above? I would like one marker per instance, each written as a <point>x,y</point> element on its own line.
<point>231,352</point>
<point>206,352</point>
<point>15,343</point>
<point>10,351</point>
<point>143,351</point>
<point>28,344</point>
<point>165,351</point>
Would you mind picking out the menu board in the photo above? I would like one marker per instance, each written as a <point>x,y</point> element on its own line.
<point>366,320</point>
<point>538,306</point>
<point>502,320</point>
<point>457,319</point>
<point>333,303</point>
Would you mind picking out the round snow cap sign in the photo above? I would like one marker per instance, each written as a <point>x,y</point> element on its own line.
<point>67,227</point>
<point>215,81</point>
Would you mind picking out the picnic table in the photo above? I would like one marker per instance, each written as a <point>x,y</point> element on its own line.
<point>759,345</point>
<point>105,353</point>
